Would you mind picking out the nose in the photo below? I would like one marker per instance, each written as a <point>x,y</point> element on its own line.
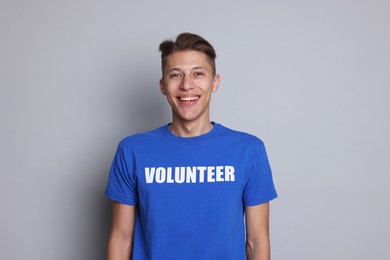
<point>186,83</point>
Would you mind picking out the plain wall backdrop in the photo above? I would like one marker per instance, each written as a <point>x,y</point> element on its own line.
<point>310,78</point>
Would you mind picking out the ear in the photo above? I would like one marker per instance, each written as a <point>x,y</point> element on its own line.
<point>162,88</point>
<point>216,81</point>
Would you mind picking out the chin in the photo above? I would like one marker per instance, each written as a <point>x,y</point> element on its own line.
<point>187,117</point>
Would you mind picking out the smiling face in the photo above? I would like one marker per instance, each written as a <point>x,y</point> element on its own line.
<point>188,82</point>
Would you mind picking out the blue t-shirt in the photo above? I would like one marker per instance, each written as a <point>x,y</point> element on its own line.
<point>191,192</point>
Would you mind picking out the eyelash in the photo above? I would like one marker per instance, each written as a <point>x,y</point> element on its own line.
<point>196,74</point>
<point>174,75</point>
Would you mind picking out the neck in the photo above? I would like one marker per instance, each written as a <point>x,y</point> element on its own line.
<point>190,129</point>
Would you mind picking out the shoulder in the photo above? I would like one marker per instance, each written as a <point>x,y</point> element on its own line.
<point>240,136</point>
<point>142,138</point>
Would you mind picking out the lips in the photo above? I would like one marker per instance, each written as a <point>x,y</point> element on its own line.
<point>190,98</point>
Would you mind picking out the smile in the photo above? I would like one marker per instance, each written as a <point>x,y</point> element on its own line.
<point>188,98</point>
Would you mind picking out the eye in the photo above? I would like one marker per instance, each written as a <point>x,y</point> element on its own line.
<point>199,73</point>
<point>174,75</point>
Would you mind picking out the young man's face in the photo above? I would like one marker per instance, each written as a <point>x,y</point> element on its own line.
<point>188,83</point>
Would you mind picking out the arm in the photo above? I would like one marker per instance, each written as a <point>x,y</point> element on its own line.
<point>257,232</point>
<point>120,242</point>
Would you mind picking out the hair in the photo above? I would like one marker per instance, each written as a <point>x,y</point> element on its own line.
<point>187,42</point>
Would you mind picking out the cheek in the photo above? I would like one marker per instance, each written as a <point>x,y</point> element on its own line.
<point>207,88</point>
<point>170,95</point>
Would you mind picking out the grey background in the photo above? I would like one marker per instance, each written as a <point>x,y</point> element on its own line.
<point>311,78</point>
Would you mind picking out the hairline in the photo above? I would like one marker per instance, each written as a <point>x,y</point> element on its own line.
<point>209,61</point>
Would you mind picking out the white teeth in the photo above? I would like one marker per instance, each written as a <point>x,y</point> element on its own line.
<point>188,98</point>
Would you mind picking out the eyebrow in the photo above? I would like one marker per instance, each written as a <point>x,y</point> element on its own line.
<point>199,67</point>
<point>172,69</point>
<point>194,68</point>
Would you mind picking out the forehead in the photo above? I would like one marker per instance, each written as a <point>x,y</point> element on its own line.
<point>187,60</point>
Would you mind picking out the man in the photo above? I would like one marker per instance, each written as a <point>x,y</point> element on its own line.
<point>181,191</point>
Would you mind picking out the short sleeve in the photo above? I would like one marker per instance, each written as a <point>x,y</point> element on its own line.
<point>121,185</point>
<point>260,187</point>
